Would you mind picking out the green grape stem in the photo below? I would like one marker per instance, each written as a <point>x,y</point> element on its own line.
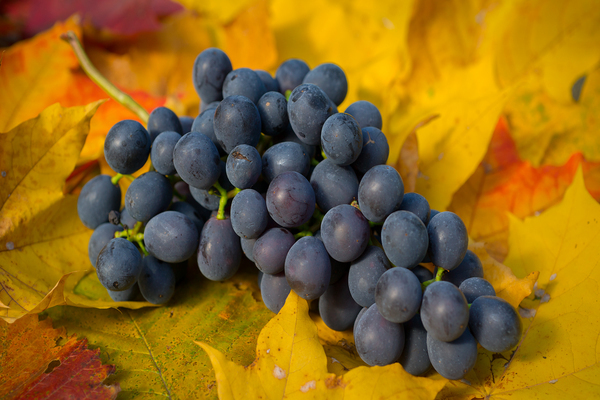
<point>302,234</point>
<point>115,179</point>
<point>437,278</point>
<point>222,202</point>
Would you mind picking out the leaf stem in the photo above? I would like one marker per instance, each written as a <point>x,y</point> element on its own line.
<point>95,75</point>
<point>437,278</point>
<point>232,193</point>
<point>222,202</point>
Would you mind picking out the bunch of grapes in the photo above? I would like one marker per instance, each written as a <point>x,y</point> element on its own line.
<point>313,205</point>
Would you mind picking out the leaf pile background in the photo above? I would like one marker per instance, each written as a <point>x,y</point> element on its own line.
<point>490,109</point>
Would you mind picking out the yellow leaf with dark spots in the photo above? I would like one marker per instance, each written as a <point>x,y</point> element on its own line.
<point>43,244</point>
<point>291,363</point>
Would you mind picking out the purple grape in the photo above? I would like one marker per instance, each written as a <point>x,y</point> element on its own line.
<point>378,341</point>
<point>290,199</point>
<point>307,268</point>
<point>444,311</point>
<point>364,274</point>
<point>271,248</point>
<point>345,232</point>
<point>220,252</point>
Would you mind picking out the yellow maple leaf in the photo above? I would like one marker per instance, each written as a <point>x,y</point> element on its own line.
<point>291,363</point>
<point>559,350</point>
<point>42,241</point>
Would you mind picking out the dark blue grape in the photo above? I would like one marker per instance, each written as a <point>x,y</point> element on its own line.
<point>341,139</point>
<point>236,122</point>
<point>364,274</point>
<point>375,150</point>
<point>453,360</point>
<point>197,160</point>
<point>97,199</point>
<point>473,288</point>
<point>333,185</point>
<point>448,240</point>
<point>336,306</point>
<point>249,215</point>
<point>171,236</point>
<point>290,199</point>
<point>156,280</point>
<point>414,358</point>
<point>127,220</point>
<point>290,136</point>
<point>148,195</point>
<point>380,193</point>
<point>244,166</point>
<point>206,198</point>
<point>338,269</point>
<point>271,248</point>
<point>331,79</point>
<point>162,152</point>
<point>378,341</point>
<point>290,74</point>
<point>307,268</point>
<point>127,146</point>
<point>416,204</point>
<point>274,119</point>
<point>365,113</point>
<point>118,264</point>
<point>274,290</point>
<point>125,295</point>
<point>270,83</point>
<point>248,248</point>
<point>444,311</point>
<point>398,295</point>
<point>209,106</point>
<point>360,314</point>
<point>404,239</point>
<point>223,179</point>
<point>308,109</point>
<point>186,124</point>
<point>244,82</point>
<point>189,211</point>
<point>495,324</point>
<point>345,232</point>
<point>204,123</point>
<point>103,234</point>
<point>422,273</point>
<point>432,214</point>
<point>469,267</point>
<point>220,252</point>
<point>210,69</point>
<point>162,119</point>
<point>283,157</point>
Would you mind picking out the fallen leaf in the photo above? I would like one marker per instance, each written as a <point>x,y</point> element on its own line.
<point>39,72</point>
<point>558,41</point>
<point>504,183</point>
<point>120,17</point>
<point>291,363</point>
<point>549,132</point>
<point>368,41</point>
<point>407,163</point>
<point>559,351</point>
<point>502,278</point>
<point>214,9</point>
<point>42,241</point>
<point>56,366</point>
<point>160,63</point>
<point>153,348</point>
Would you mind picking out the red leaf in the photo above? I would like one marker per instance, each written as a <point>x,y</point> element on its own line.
<point>126,17</point>
<point>35,366</point>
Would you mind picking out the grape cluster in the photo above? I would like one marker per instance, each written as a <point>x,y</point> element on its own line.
<point>270,170</point>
